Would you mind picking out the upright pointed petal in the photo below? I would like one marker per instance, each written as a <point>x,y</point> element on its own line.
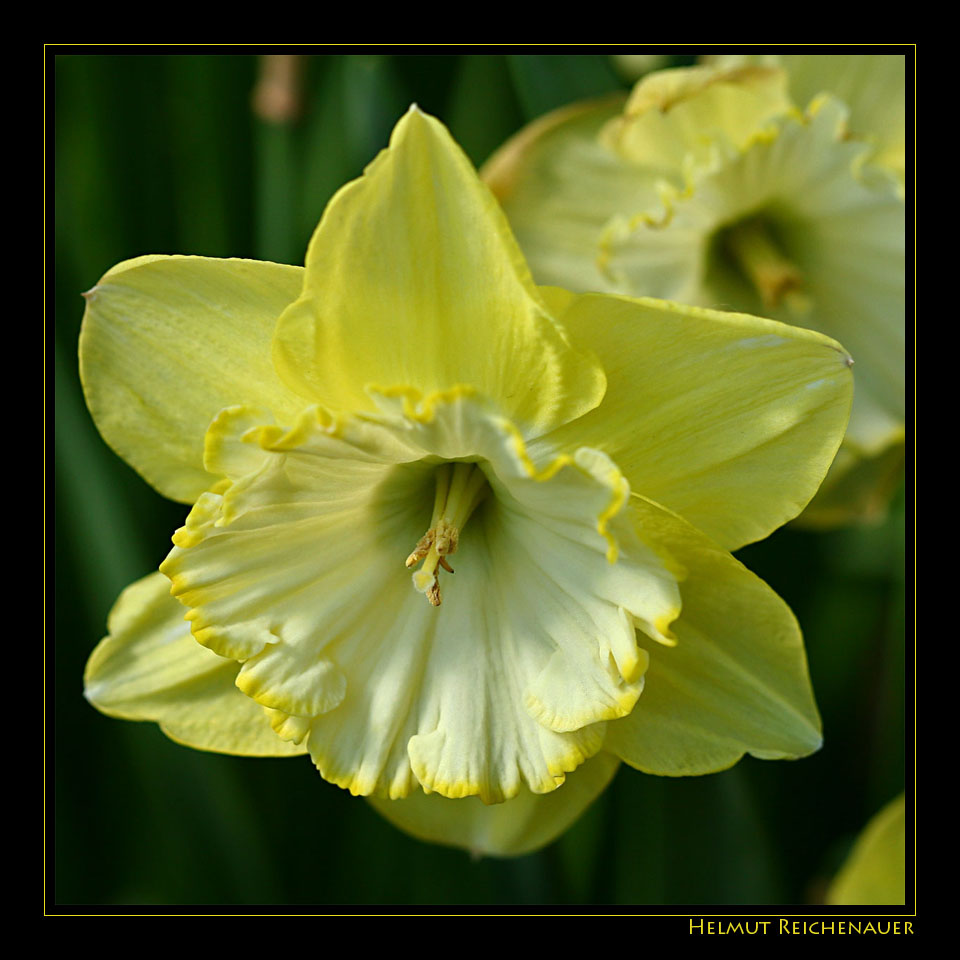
<point>730,420</point>
<point>736,682</point>
<point>166,343</point>
<point>151,668</point>
<point>413,277</point>
<point>521,825</point>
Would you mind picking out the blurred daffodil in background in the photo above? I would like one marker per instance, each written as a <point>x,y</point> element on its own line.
<point>744,185</point>
<point>875,871</point>
<point>872,87</point>
<point>410,403</point>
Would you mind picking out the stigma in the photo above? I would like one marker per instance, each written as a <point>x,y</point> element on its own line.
<point>460,488</point>
<point>775,278</point>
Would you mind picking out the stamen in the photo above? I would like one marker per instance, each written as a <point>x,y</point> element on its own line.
<point>774,277</point>
<point>421,549</point>
<point>460,488</point>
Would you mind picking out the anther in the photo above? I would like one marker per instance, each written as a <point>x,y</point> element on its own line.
<point>460,488</point>
<point>421,549</point>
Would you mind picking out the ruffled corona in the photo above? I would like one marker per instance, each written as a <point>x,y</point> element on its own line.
<point>297,569</point>
<point>872,86</point>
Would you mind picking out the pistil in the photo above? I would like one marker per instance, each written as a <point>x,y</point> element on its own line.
<point>763,263</point>
<point>460,488</point>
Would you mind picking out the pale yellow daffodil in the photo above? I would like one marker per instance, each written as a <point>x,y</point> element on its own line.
<point>710,187</point>
<point>875,871</point>
<point>409,404</point>
<point>873,87</point>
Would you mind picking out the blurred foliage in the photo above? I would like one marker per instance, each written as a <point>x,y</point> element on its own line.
<point>164,154</point>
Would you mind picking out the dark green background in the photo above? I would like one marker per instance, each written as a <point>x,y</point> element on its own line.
<point>163,154</point>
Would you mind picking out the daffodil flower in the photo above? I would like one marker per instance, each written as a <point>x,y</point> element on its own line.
<point>708,186</point>
<point>875,871</point>
<point>408,405</point>
<point>873,87</point>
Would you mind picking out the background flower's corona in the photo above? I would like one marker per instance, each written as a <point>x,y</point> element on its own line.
<point>411,401</point>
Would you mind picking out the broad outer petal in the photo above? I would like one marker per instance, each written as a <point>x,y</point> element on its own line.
<point>413,277</point>
<point>151,668</point>
<point>521,825</point>
<point>736,682</point>
<point>729,420</point>
<point>169,341</point>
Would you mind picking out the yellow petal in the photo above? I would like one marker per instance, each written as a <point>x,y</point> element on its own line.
<point>875,872</point>
<point>521,825</point>
<point>413,277</point>
<point>736,682</point>
<point>169,341</point>
<point>729,420</point>
<point>151,668</point>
